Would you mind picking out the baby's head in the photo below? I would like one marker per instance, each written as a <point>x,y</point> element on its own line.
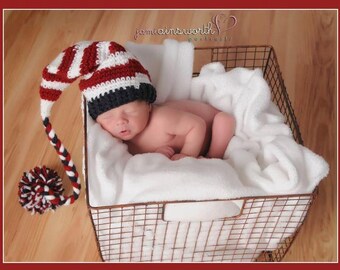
<point>113,82</point>
<point>118,94</point>
<point>126,121</point>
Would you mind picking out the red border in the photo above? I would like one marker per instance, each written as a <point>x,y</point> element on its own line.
<point>150,266</point>
<point>64,4</point>
<point>169,4</point>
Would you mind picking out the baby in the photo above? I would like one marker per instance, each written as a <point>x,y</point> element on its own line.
<point>176,129</point>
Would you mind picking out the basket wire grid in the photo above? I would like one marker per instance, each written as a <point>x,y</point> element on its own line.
<point>263,231</point>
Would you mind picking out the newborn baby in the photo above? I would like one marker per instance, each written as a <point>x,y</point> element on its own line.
<point>176,129</point>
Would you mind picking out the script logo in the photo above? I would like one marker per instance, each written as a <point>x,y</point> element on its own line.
<point>214,30</point>
<point>223,23</point>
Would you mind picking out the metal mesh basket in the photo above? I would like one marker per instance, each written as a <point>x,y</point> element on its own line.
<point>262,231</point>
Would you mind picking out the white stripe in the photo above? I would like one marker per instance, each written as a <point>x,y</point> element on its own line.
<point>87,76</point>
<point>54,85</point>
<point>68,202</point>
<point>51,134</point>
<point>95,91</point>
<point>102,51</point>
<point>54,66</point>
<point>45,108</point>
<point>49,197</point>
<point>119,58</point>
<point>70,173</point>
<point>74,70</point>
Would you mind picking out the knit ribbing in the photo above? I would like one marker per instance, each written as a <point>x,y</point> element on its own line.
<point>118,97</point>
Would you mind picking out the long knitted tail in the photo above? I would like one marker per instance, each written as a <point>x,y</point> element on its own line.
<point>69,167</point>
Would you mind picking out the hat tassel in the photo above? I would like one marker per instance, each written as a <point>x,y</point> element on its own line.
<point>41,189</point>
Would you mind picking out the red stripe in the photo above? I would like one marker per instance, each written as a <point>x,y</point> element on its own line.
<point>48,128</point>
<point>66,63</point>
<point>58,144</point>
<point>55,201</point>
<point>67,168</point>
<point>63,68</point>
<point>122,71</point>
<point>56,77</point>
<point>89,59</point>
<point>115,47</point>
<point>48,94</point>
<point>75,185</point>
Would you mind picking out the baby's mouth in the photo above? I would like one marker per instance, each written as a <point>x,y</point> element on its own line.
<point>124,132</point>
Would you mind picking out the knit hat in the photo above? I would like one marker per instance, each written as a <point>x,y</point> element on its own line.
<point>110,77</point>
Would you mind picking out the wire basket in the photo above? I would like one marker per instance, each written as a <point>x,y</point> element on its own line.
<point>263,230</point>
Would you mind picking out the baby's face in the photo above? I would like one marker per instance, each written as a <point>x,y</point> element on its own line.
<point>126,121</point>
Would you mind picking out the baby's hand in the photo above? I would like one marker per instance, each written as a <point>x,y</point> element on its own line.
<point>178,156</point>
<point>166,151</point>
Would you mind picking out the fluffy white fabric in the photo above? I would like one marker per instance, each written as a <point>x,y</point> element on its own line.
<point>263,151</point>
<point>202,211</point>
<point>262,158</point>
<point>170,66</point>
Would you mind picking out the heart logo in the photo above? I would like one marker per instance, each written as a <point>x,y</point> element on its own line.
<point>223,22</point>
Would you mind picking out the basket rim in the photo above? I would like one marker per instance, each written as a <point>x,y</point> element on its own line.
<point>300,196</point>
<point>236,46</point>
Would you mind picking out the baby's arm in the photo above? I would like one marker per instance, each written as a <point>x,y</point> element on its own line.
<point>166,151</point>
<point>191,127</point>
<point>194,129</point>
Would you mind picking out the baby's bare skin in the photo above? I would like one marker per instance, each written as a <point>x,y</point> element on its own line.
<point>175,129</point>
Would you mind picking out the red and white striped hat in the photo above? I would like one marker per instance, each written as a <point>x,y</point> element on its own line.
<point>110,77</point>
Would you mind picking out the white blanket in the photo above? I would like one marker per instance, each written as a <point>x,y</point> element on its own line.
<point>261,159</point>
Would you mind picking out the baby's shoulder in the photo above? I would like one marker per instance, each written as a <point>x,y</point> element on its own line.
<point>162,110</point>
<point>163,114</point>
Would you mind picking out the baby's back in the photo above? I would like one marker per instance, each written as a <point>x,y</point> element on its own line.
<point>203,110</point>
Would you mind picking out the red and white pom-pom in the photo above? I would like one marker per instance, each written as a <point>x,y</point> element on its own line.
<point>40,190</point>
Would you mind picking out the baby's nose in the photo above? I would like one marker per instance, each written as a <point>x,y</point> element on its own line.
<point>121,122</point>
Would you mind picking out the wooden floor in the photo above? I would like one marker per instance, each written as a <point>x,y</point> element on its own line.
<point>306,46</point>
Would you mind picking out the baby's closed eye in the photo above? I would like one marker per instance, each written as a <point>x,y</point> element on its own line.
<point>131,112</point>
